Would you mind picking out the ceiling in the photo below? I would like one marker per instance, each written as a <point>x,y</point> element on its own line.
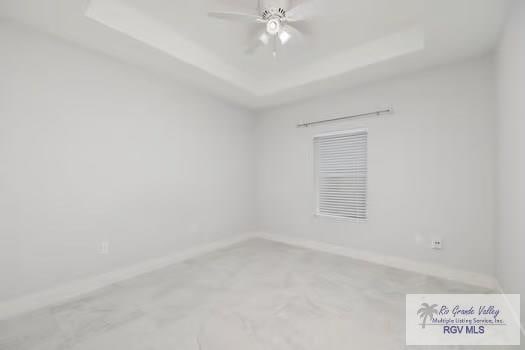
<point>350,42</point>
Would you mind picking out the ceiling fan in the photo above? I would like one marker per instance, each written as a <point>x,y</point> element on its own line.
<point>277,22</point>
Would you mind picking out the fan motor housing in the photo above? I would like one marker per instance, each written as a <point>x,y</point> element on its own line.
<point>274,13</point>
<point>273,8</point>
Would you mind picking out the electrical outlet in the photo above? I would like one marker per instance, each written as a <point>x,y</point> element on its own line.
<point>104,247</point>
<point>437,243</point>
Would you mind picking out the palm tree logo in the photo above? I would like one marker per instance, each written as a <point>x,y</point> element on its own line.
<point>426,311</point>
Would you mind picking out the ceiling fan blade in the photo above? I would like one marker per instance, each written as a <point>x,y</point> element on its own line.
<point>235,16</point>
<point>288,33</point>
<point>303,27</point>
<point>303,10</point>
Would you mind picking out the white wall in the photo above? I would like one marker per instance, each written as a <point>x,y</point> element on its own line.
<point>510,234</point>
<point>431,167</point>
<point>92,149</point>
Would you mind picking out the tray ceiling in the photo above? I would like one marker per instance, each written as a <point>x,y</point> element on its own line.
<point>351,41</point>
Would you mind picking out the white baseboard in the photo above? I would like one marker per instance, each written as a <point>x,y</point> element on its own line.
<point>78,288</point>
<point>467,277</point>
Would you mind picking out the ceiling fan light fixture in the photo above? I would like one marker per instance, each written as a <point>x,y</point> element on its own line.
<point>273,26</point>
<point>264,38</point>
<point>284,36</point>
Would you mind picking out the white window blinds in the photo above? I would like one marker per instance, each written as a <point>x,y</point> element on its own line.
<point>342,171</point>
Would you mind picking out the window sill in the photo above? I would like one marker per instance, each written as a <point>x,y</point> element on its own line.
<point>341,218</point>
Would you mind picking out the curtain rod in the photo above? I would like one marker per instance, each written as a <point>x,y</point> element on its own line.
<point>377,113</point>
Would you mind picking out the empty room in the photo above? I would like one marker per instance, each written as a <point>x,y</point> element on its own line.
<point>262,174</point>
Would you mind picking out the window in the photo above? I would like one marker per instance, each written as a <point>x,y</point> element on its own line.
<point>342,172</point>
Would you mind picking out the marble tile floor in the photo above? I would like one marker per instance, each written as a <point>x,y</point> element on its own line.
<point>254,295</point>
